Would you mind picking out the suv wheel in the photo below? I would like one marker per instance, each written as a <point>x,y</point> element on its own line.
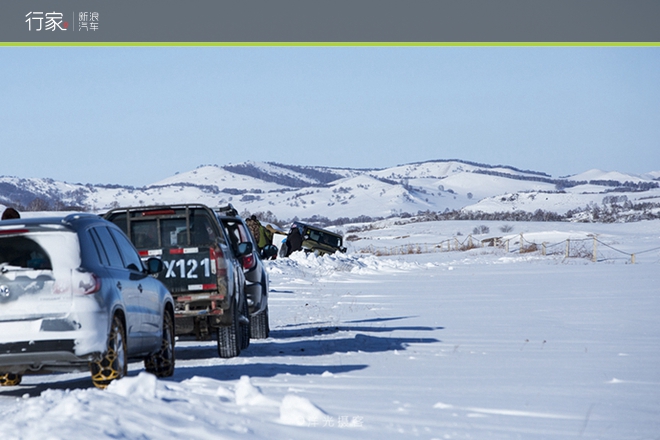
<point>259,328</point>
<point>113,364</point>
<point>161,363</point>
<point>10,379</point>
<point>228,336</point>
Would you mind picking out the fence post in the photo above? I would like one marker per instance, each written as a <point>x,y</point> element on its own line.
<point>594,257</point>
<point>543,244</point>
<point>470,241</point>
<point>632,258</point>
<point>507,246</point>
<point>456,243</point>
<point>521,243</point>
<point>568,247</point>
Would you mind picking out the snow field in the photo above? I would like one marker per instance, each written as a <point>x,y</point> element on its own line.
<point>453,345</point>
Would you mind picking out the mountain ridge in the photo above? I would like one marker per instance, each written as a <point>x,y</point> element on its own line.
<point>298,191</point>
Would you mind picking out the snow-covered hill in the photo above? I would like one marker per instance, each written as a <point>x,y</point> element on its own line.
<point>290,191</point>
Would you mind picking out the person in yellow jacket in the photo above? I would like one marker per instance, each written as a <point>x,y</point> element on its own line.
<point>263,236</point>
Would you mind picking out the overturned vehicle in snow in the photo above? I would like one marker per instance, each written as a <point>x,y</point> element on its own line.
<point>311,239</point>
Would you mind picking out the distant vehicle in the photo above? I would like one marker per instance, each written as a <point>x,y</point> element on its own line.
<point>75,295</point>
<point>203,270</point>
<point>315,240</point>
<point>256,277</point>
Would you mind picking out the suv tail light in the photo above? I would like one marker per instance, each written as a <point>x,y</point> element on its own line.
<point>218,263</point>
<point>85,283</point>
<point>249,261</point>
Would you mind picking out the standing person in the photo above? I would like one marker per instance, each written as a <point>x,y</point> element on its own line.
<point>10,213</point>
<point>253,225</point>
<point>265,235</point>
<point>293,241</point>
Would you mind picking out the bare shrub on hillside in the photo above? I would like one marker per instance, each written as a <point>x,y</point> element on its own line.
<point>481,229</point>
<point>506,228</point>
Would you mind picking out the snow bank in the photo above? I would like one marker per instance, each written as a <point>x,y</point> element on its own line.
<point>338,263</point>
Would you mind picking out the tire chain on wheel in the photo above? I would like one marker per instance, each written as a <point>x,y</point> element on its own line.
<point>10,379</point>
<point>107,369</point>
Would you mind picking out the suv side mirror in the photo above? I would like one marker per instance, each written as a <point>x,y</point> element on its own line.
<point>244,248</point>
<point>154,266</point>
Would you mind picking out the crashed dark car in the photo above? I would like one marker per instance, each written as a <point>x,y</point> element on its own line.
<point>311,239</point>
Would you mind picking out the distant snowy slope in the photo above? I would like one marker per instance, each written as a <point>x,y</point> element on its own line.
<point>441,169</point>
<point>219,177</point>
<point>596,174</point>
<point>652,175</point>
<point>295,191</point>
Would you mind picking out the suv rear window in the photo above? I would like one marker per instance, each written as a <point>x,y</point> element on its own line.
<point>22,251</point>
<point>40,250</point>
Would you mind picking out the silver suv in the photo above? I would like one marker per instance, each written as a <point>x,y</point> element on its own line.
<point>75,295</point>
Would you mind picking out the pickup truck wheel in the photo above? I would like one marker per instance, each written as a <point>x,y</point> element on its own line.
<point>10,379</point>
<point>228,337</point>
<point>114,363</point>
<point>259,328</point>
<point>161,363</point>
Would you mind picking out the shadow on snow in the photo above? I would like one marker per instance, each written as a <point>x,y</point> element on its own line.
<point>235,371</point>
<point>310,345</point>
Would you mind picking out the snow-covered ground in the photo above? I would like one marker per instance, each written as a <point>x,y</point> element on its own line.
<point>481,344</point>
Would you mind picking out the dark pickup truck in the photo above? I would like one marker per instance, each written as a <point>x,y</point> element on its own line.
<point>203,270</point>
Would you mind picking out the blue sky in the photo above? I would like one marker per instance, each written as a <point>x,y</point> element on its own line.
<point>135,115</point>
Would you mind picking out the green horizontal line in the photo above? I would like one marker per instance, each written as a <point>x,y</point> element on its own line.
<point>334,44</point>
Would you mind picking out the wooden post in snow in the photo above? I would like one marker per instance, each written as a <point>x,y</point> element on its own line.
<point>568,247</point>
<point>595,255</point>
